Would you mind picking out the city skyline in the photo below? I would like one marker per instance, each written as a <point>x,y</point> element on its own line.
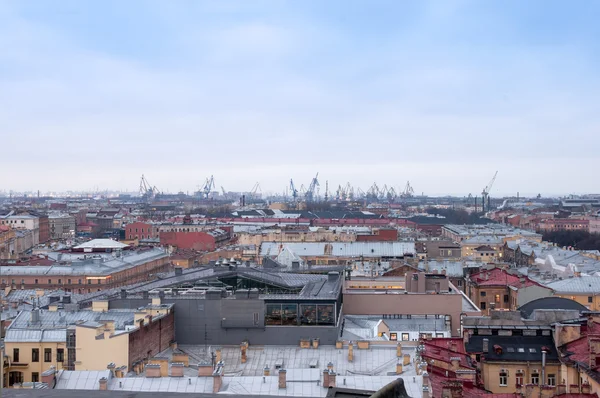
<point>440,94</point>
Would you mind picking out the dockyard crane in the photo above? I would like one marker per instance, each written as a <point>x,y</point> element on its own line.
<point>408,190</point>
<point>255,190</point>
<point>310,192</point>
<point>209,185</point>
<point>391,195</point>
<point>485,194</point>
<point>223,190</point>
<point>294,190</point>
<point>147,191</point>
<point>326,190</point>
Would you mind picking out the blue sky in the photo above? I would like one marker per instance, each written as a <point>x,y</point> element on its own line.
<point>441,93</point>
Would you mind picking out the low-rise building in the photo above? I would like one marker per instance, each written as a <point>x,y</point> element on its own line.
<point>458,233</point>
<point>584,289</point>
<point>40,340</point>
<point>62,226</point>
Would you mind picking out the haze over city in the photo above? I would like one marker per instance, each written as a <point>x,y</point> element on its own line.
<point>439,93</point>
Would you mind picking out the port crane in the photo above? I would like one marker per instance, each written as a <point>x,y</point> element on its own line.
<point>209,185</point>
<point>293,190</point>
<point>485,194</point>
<point>147,191</point>
<point>312,189</point>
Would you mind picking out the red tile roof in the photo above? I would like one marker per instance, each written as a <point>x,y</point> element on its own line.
<point>439,350</point>
<point>500,277</point>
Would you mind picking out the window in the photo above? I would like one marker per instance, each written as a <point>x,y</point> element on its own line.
<point>551,379</point>
<point>394,336</point>
<point>535,378</point>
<point>482,305</point>
<point>36,281</point>
<point>521,349</point>
<point>47,354</point>
<point>79,281</point>
<point>15,355</point>
<point>60,281</point>
<point>49,281</point>
<point>22,281</point>
<point>510,349</point>
<point>89,281</point>
<point>35,355</point>
<point>68,281</point>
<point>482,294</point>
<point>60,355</point>
<point>503,379</point>
<point>99,281</point>
<point>590,299</point>
<point>506,298</point>
<point>405,337</point>
<point>35,377</point>
<point>497,298</point>
<point>281,314</point>
<point>459,283</point>
<point>532,350</point>
<point>519,377</point>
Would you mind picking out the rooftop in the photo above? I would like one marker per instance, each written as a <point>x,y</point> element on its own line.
<point>500,277</point>
<point>101,244</point>
<point>341,249</point>
<point>514,348</point>
<point>582,284</point>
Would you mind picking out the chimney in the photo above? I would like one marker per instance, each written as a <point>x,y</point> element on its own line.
<point>315,343</point>
<point>425,385</point>
<point>486,346</point>
<point>266,371</point>
<point>573,388</point>
<point>153,370</point>
<point>217,379</point>
<point>218,354</point>
<point>282,378</point>
<point>48,376</point>
<point>399,350</point>
<point>332,276</point>
<point>103,384</point>
<point>205,369</point>
<point>177,369</point>
<point>350,352</point>
<point>111,366</point>
<point>585,388</point>
<point>243,349</point>
<point>330,366</point>
<point>398,368</point>
<point>332,375</point>
<point>35,316</point>
<point>325,378</point>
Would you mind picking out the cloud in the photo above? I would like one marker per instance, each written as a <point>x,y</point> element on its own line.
<point>442,95</point>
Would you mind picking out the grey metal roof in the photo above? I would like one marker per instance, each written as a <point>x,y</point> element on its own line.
<point>582,284</point>
<point>341,249</point>
<point>33,336</point>
<point>94,264</point>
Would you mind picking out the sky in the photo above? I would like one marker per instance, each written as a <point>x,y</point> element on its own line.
<point>93,94</point>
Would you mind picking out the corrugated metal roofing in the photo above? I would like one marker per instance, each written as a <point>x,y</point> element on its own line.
<point>32,336</point>
<point>341,249</point>
<point>583,284</point>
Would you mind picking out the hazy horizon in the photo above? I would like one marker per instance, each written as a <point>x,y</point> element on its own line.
<point>95,94</point>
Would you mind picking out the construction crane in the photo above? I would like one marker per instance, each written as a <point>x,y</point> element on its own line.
<point>312,188</point>
<point>209,185</point>
<point>293,190</point>
<point>485,194</point>
<point>147,191</point>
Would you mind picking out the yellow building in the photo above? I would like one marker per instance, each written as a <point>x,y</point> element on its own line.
<point>583,289</point>
<point>40,339</point>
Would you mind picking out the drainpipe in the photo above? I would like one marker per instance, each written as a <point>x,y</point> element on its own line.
<point>543,375</point>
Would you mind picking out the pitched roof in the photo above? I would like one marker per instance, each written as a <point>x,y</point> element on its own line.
<point>500,277</point>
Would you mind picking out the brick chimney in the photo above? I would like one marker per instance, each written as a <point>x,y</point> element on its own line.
<point>573,389</point>
<point>325,378</point>
<point>205,369</point>
<point>399,350</point>
<point>217,379</point>
<point>585,388</point>
<point>282,378</point>
<point>332,375</point>
<point>103,384</point>
<point>153,370</point>
<point>243,349</point>
<point>398,368</point>
<point>48,376</point>
<point>350,352</point>
<point>177,369</point>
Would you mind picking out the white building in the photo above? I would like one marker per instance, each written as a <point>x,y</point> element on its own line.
<point>23,221</point>
<point>62,226</point>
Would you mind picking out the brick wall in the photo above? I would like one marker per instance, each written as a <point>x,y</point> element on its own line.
<point>151,338</point>
<point>200,241</point>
